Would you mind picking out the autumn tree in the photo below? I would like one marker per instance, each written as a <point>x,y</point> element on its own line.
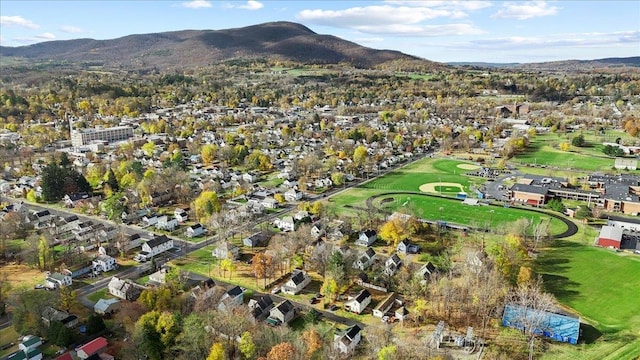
<point>388,352</point>
<point>205,205</point>
<point>282,351</point>
<point>217,352</point>
<point>393,231</point>
<point>313,341</point>
<point>246,345</point>
<point>262,266</point>
<point>329,288</point>
<point>45,255</point>
<point>360,156</point>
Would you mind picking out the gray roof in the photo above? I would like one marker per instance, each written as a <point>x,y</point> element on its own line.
<point>530,189</point>
<point>611,232</point>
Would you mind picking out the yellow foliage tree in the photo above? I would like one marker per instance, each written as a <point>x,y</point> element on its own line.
<point>565,146</point>
<point>393,232</point>
<point>217,352</point>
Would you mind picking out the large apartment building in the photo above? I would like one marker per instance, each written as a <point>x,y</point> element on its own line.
<point>82,137</point>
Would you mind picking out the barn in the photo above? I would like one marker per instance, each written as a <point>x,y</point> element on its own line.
<point>610,236</point>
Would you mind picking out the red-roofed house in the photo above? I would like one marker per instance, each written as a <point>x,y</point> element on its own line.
<point>65,356</point>
<point>94,346</point>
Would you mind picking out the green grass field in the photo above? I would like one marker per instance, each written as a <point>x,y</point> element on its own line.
<point>454,211</point>
<point>602,287</point>
<point>410,177</point>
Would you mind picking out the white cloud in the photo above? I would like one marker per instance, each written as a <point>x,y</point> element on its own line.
<point>251,5</point>
<point>18,21</point>
<point>525,10</point>
<point>47,36</point>
<point>421,30</point>
<point>197,4</point>
<point>70,29</point>
<point>453,4</point>
<point>579,40</point>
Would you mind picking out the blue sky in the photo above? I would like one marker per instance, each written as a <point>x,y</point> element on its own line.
<point>489,31</point>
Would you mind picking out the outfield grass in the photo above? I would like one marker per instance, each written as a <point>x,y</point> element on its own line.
<point>409,178</point>
<point>602,287</point>
<point>429,207</point>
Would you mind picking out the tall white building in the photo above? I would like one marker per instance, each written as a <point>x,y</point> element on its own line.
<point>82,137</point>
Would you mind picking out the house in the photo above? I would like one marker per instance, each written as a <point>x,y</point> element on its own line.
<point>71,200</point>
<point>293,195</point>
<point>626,164</point>
<point>365,260</point>
<point>529,194</point>
<point>425,271</point>
<point>124,289</point>
<point>260,308</point>
<point>281,313</point>
<point>317,231</point>
<point>392,265</point>
<point>50,315</point>
<point>106,306</point>
<point>157,199</point>
<point>610,236</point>
<point>367,238</point>
<point>269,203</point>
<point>57,280</point>
<point>166,223</point>
<point>233,297</point>
<point>359,303</point>
<point>555,326</point>
<point>226,250</point>
<point>285,224</point>
<point>384,306</point>
<point>346,340</point>
<point>95,346</point>
<point>159,277</point>
<point>31,354</point>
<point>402,313</point>
<point>149,220</point>
<point>406,247</point>
<point>181,215</point>
<point>29,342</point>
<point>157,245</point>
<point>299,280</point>
<point>256,239</point>
<point>194,230</point>
<point>250,177</point>
<point>104,263</point>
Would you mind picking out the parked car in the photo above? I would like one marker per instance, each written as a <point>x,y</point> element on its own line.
<point>333,307</point>
<point>314,300</point>
<point>275,290</point>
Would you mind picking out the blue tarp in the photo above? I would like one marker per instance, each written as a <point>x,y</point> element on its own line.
<point>554,326</point>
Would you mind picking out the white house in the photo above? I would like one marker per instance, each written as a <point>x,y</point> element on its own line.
<point>293,195</point>
<point>226,250</point>
<point>406,247</point>
<point>181,215</point>
<point>194,230</point>
<point>269,203</point>
<point>233,297</point>
<point>426,271</point>
<point>149,220</point>
<point>260,308</point>
<point>104,263</point>
<point>365,260</point>
<point>155,246</point>
<point>299,280</point>
<point>346,341</point>
<point>281,313</point>
<point>384,306</point>
<point>57,280</point>
<point>106,306</point>
<point>367,238</point>
<point>29,342</point>
<point>392,265</point>
<point>166,223</point>
<point>359,303</point>
<point>285,224</point>
<point>124,289</point>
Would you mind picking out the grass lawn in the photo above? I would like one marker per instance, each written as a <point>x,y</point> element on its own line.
<point>7,336</point>
<point>410,177</point>
<point>602,287</point>
<point>428,207</point>
<point>100,294</point>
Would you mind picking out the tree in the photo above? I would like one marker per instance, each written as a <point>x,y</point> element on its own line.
<point>564,146</point>
<point>312,340</point>
<point>205,205</point>
<point>95,324</point>
<point>217,352</point>
<point>329,288</point>
<point>360,156</point>
<point>337,178</point>
<point>281,351</point>
<point>59,334</point>
<point>194,341</point>
<point>392,232</point>
<point>578,140</point>
<point>68,298</point>
<point>5,289</point>
<point>111,180</point>
<point>45,256</point>
<point>262,266</point>
<point>27,307</point>
<point>388,352</point>
<point>246,346</point>
<point>113,206</point>
<point>524,275</point>
<point>208,153</point>
<point>556,205</point>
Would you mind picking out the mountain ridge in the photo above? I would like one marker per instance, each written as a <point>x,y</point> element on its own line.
<point>190,48</point>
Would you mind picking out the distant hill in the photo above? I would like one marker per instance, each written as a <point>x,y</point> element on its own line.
<point>193,48</point>
<point>565,65</point>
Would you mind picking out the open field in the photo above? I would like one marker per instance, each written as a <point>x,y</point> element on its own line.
<point>453,211</point>
<point>602,287</point>
<point>22,275</point>
<point>543,151</point>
